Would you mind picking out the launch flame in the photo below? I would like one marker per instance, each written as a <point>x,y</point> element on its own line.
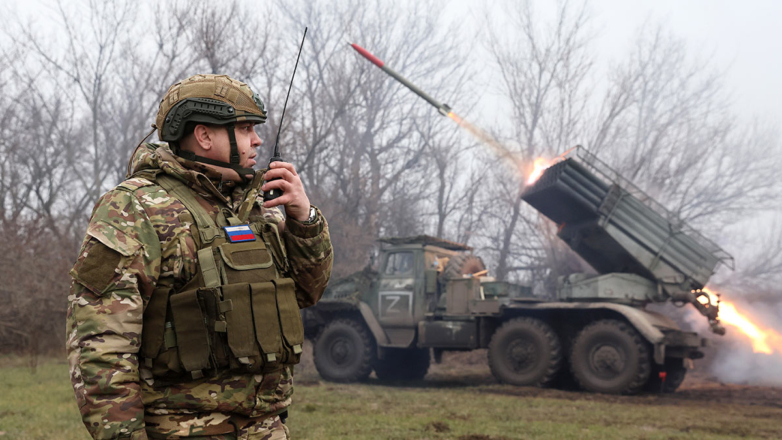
<point>539,167</point>
<point>764,340</point>
<point>541,164</point>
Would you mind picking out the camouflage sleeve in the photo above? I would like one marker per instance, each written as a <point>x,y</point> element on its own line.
<point>310,255</point>
<point>115,272</point>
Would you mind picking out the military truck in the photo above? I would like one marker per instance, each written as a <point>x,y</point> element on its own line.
<point>431,295</point>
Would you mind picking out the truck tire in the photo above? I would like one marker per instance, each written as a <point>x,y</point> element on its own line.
<point>404,364</point>
<point>610,357</point>
<point>462,264</point>
<point>675,373</point>
<point>344,351</point>
<point>525,352</point>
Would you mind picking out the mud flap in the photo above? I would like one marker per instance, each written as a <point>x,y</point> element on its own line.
<point>659,353</point>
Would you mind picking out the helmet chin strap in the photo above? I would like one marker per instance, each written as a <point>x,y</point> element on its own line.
<point>235,158</point>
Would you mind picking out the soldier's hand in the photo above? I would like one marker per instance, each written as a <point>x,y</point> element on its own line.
<point>295,200</point>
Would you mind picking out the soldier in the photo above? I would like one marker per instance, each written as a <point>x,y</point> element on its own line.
<point>184,309</point>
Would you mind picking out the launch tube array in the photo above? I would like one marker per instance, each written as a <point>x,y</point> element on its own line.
<point>614,231</point>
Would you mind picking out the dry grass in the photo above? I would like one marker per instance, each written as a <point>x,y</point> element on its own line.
<point>459,400</point>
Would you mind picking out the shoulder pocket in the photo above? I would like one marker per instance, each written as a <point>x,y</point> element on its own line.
<point>103,257</point>
<point>113,238</point>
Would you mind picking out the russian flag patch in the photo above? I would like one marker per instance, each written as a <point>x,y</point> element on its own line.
<point>238,234</point>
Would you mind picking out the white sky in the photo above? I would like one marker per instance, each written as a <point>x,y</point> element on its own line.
<point>741,38</point>
<point>744,38</point>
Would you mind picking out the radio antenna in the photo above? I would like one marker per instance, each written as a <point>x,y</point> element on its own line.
<point>275,192</point>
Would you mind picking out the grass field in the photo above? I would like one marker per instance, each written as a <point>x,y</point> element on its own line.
<point>41,406</point>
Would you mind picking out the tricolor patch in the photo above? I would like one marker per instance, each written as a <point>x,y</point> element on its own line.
<point>238,234</point>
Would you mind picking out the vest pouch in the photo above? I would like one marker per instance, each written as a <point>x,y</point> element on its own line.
<point>152,336</point>
<point>290,320</point>
<point>237,306</point>
<point>267,323</point>
<point>247,262</point>
<point>192,337</point>
<point>209,299</point>
<point>167,368</point>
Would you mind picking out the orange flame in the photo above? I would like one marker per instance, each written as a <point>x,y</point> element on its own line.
<point>539,166</point>
<point>764,340</point>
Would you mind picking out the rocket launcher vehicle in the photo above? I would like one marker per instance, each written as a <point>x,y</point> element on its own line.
<point>644,252</point>
<point>617,228</point>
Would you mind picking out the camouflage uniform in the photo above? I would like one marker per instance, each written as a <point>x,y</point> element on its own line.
<point>139,237</point>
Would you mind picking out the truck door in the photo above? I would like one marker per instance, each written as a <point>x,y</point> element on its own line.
<point>396,292</point>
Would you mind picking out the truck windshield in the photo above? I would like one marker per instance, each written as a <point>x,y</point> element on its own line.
<point>399,263</point>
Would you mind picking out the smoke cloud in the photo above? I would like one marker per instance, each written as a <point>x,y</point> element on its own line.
<point>734,360</point>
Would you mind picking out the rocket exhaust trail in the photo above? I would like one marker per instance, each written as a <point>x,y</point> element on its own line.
<point>444,109</point>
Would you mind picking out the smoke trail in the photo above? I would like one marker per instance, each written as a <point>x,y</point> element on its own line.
<point>488,140</point>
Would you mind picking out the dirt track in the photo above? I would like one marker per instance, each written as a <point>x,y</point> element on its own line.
<point>463,369</point>
<point>470,369</point>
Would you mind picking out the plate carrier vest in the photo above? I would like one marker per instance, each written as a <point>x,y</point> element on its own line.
<point>238,313</point>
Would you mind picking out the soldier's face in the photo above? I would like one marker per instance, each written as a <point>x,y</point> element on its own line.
<point>247,141</point>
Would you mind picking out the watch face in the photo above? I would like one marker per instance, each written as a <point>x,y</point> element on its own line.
<point>313,214</point>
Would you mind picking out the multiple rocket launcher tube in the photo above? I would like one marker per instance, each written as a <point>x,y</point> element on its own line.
<point>615,231</point>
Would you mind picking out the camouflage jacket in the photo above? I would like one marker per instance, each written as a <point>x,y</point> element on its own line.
<point>137,238</point>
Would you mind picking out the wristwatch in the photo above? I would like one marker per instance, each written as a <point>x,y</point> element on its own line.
<point>313,216</point>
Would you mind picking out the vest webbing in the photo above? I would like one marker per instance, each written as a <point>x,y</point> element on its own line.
<point>274,299</point>
<point>207,229</point>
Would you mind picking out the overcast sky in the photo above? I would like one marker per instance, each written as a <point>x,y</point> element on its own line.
<point>745,38</point>
<point>742,37</point>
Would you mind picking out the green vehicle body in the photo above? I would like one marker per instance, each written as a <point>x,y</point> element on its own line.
<point>430,295</point>
<point>417,308</point>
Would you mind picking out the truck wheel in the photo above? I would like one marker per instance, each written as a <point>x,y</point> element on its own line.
<point>675,373</point>
<point>344,351</point>
<point>609,356</point>
<point>403,364</point>
<point>462,264</point>
<point>526,352</point>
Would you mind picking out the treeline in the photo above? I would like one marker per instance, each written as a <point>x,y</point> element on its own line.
<point>80,85</point>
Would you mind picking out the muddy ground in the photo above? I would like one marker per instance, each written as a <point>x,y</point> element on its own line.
<point>470,368</point>
<point>699,386</point>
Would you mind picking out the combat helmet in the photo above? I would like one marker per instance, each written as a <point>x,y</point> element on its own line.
<point>208,99</point>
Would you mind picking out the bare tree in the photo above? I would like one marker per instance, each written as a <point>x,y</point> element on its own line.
<point>664,122</point>
<point>85,66</point>
<point>758,262</point>
<point>680,141</point>
<point>448,155</point>
<point>542,75</point>
<point>360,124</point>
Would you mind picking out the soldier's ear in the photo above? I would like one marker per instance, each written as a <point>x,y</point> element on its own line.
<point>203,136</point>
